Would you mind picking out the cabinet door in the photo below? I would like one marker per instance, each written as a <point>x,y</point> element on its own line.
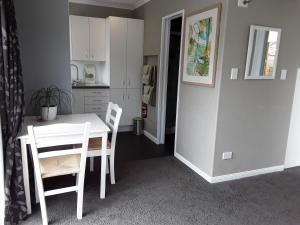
<point>133,105</point>
<point>78,101</point>
<point>97,39</point>
<point>118,96</point>
<point>118,35</point>
<point>135,45</point>
<point>80,43</point>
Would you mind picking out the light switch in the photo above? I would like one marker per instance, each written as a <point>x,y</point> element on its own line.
<point>234,73</point>
<point>283,74</point>
<point>227,155</point>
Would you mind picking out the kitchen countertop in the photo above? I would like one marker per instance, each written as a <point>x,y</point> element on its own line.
<point>90,86</point>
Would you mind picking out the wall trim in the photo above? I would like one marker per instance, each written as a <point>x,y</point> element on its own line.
<point>140,3</point>
<point>193,167</point>
<point>151,137</point>
<point>105,3</point>
<point>228,177</point>
<point>251,173</point>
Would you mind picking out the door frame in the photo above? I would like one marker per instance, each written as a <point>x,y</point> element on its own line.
<point>2,193</point>
<point>292,159</point>
<point>163,74</point>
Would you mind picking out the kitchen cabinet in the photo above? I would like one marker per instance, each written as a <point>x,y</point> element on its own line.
<point>134,57</point>
<point>90,101</point>
<point>80,34</point>
<point>117,28</point>
<point>88,38</point>
<point>130,101</point>
<point>126,38</point>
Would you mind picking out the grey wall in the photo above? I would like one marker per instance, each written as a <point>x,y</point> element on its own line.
<point>43,27</point>
<point>198,106</point>
<point>98,11</point>
<point>254,116</point>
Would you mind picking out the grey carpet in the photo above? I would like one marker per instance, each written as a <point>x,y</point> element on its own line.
<point>164,191</point>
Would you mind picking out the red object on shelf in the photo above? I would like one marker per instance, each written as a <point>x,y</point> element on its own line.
<point>144,110</point>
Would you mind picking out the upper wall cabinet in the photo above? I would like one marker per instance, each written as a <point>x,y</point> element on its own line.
<point>87,38</point>
<point>125,49</point>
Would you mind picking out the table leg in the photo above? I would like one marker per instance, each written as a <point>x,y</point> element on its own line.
<point>103,166</point>
<point>26,175</point>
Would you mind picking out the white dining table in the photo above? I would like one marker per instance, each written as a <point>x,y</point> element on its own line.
<point>98,130</point>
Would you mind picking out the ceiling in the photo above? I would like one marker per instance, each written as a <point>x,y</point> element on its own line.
<point>123,4</point>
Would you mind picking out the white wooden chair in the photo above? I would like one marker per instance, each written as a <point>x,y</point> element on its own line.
<point>59,162</point>
<point>113,116</point>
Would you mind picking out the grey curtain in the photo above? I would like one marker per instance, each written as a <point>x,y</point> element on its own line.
<point>11,109</point>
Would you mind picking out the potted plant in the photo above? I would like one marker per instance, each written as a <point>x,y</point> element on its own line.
<point>49,101</point>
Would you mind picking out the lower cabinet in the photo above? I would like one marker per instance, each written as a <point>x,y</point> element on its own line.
<point>91,101</point>
<point>96,101</point>
<point>130,101</point>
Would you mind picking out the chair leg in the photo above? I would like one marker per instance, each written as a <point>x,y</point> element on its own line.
<point>40,190</point>
<point>44,210</point>
<point>80,182</point>
<point>92,164</point>
<point>37,198</point>
<point>77,179</point>
<point>79,203</point>
<point>107,166</point>
<point>112,169</point>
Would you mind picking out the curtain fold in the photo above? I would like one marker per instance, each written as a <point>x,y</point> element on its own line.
<point>11,109</point>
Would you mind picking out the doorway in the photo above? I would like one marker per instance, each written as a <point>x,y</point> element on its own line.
<point>169,85</point>
<point>172,84</point>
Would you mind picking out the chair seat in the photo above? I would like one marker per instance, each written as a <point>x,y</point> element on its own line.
<point>96,144</point>
<point>59,165</point>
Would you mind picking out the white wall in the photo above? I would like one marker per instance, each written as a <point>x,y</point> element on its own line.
<point>292,158</point>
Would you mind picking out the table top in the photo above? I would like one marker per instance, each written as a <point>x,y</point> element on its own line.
<point>97,125</point>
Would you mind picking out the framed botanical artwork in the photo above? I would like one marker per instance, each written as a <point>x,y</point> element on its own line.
<point>201,46</point>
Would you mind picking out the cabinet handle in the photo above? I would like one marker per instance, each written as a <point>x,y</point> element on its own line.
<point>124,83</point>
<point>128,97</point>
<point>128,83</point>
<point>123,96</point>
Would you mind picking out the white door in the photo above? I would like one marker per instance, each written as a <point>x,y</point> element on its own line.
<point>80,43</point>
<point>133,105</point>
<point>292,158</point>
<point>97,39</point>
<point>118,36</point>
<point>118,96</point>
<point>135,45</point>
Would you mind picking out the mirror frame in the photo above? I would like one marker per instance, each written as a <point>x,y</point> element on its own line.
<point>250,50</point>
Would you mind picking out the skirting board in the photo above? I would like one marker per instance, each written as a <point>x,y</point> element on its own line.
<point>229,177</point>
<point>125,128</point>
<point>193,167</point>
<point>151,137</point>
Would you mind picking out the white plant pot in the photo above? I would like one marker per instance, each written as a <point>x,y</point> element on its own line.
<point>48,113</point>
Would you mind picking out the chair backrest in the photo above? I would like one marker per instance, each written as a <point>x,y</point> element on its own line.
<point>59,135</point>
<point>113,116</point>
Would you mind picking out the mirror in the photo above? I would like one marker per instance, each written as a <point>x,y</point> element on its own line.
<point>263,49</point>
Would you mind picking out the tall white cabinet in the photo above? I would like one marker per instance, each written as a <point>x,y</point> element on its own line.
<point>125,61</point>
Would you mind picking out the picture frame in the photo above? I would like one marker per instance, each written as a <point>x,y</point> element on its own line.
<point>201,42</point>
